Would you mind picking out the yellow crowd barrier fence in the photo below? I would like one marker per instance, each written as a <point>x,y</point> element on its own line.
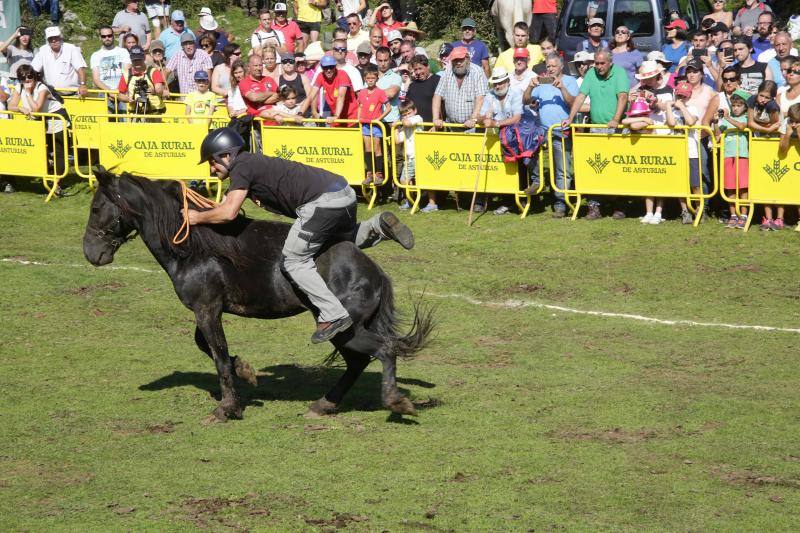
<point>28,150</point>
<point>651,164</point>
<point>339,150</point>
<point>452,160</point>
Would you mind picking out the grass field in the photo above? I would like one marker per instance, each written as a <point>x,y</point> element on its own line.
<point>531,418</point>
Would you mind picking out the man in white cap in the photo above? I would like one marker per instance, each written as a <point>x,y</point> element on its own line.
<point>289,28</point>
<point>158,13</point>
<point>395,40</point>
<point>582,62</point>
<point>61,64</point>
<point>130,20</point>
<point>594,40</point>
<point>171,37</point>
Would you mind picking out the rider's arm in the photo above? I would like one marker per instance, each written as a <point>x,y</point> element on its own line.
<point>224,212</point>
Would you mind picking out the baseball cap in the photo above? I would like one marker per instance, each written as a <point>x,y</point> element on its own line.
<point>718,27</point>
<point>187,38</point>
<point>468,23</point>
<point>24,30</point>
<point>364,48</point>
<point>280,6</point>
<point>205,12</point>
<point>177,15</point>
<point>582,56</point>
<point>677,23</point>
<point>286,55</point>
<point>694,63</point>
<point>394,35</point>
<point>157,45</point>
<point>596,20</point>
<point>683,88</point>
<point>136,52</point>
<point>741,93</point>
<point>459,52</point>
<point>201,75</point>
<point>521,52</point>
<point>445,50</point>
<point>327,61</point>
<point>52,31</point>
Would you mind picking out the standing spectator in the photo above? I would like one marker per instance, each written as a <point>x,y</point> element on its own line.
<point>108,64</point>
<point>625,53</point>
<point>373,105</point>
<point>383,18</point>
<point>130,20</point>
<point>340,55</point>
<point>407,51</point>
<point>521,75</point>
<point>422,87</point>
<point>292,35</point>
<point>677,48</point>
<point>173,36</point>
<point>265,35</point>
<point>139,73</point>
<point>337,91</point>
<point>735,180</point>
<point>236,105</point>
<point>356,35</point>
<point>345,7</point>
<point>61,64</point>
<point>747,17</point>
<point>751,71</point>
<point>389,81</point>
<point>221,76</point>
<point>478,52</point>
<point>188,61</point>
<point>158,13</point>
<point>729,81</point>
<point>705,102</point>
<point>308,14</point>
<point>719,15</point>
<point>210,26</point>
<point>506,58</point>
<point>291,78</point>
<point>201,101</point>
<point>259,92</point>
<point>763,40</point>
<point>38,7</point>
<point>375,38</point>
<point>444,57</point>
<point>395,42</point>
<point>270,63</point>
<point>411,32</point>
<point>209,45</point>
<point>544,17</point>
<point>405,137</point>
<point>594,40</point>
<point>781,48</point>
<point>716,34</point>
<point>553,101</point>
<point>607,85</point>
<point>18,53</point>
<point>159,62</point>
<point>364,55</point>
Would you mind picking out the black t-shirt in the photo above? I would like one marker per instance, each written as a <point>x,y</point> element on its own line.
<point>421,93</point>
<point>279,185</point>
<point>752,76</point>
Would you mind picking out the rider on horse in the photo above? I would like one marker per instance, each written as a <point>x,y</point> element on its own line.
<point>323,204</point>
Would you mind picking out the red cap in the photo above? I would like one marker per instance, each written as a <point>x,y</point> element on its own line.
<point>459,52</point>
<point>677,23</point>
<point>521,52</point>
<point>683,88</point>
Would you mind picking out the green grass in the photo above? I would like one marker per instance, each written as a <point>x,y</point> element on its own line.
<point>529,418</point>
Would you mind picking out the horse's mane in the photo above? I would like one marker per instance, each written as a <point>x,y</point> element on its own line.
<point>205,240</point>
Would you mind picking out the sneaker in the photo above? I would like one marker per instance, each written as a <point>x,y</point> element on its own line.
<point>594,213</point>
<point>502,210</point>
<point>559,212</point>
<point>777,224</point>
<point>686,217</point>
<point>368,179</point>
<point>479,208</point>
<point>617,215</point>
<point>378,179</point>
<point>647,218</point>
<point>328,330</point>
<point>733,222</point>
<point>766,224</point>
<point>656,219</point>
<point>430,208</point>
<point>396,230</point>
<point>742,223</point>
<point>405,205</point>
<point>531,189</point>
<point>8,189</point>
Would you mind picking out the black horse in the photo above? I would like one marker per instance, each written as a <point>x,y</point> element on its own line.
<point>235,268</point>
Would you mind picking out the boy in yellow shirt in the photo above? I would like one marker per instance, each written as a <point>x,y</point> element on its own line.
<point>201,103</point>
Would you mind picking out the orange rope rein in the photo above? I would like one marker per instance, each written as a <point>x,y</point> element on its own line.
<point>197,199</point>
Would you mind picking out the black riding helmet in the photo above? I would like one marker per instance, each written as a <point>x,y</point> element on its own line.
<point>220,141</point>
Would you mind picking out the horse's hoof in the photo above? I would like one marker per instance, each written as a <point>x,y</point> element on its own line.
<point>223,413</point>
<point>320,408</point>
<point>245,372</point>
<point>402,406</point>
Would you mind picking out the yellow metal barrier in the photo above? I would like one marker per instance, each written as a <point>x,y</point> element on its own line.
<point>339,150</point>
<point>450,161</point>
<point>176,106</point>
<point>24,150</point>
<point>634,164</point>
<point>86,115</point>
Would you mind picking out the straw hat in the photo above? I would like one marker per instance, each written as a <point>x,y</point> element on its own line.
<point>648,69</point>
<point>314,51</point>
<point>499,75</point>
<point>411,27</point>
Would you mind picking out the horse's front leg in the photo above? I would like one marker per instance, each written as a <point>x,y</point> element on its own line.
<point>243,369</point>
<point>210,325</point>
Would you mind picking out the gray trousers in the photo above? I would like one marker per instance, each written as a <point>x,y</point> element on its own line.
<point>331,217</point>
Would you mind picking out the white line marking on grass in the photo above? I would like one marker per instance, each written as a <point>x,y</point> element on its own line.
<point>516,304</point>
<point>507,304</point>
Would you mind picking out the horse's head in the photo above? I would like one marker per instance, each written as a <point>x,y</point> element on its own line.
<point>111,222</point>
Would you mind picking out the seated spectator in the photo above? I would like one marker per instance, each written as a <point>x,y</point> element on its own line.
<point>221,75</point>
<point>201,102</point>
<point>410,121</point>
<point>209,46</point>
<point>507,60</point>
<point>373,105</point>
<point>265,35</point>
<point>210,26</point>
<point>61,64</point>
<point>130,20</point>
<point>188,61</point>
<point>158,13</point>
<point>292,35</point>
<point>18,51</point>
<point>37,7</point>
<point>733,122</point>
<point>235,102</point>
<point>345,7</point>
<point>478,52</point>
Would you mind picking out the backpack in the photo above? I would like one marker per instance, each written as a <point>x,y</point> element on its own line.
<point>521,140</point>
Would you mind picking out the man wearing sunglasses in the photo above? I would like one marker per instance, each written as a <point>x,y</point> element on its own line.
<point>129,20</point>
<point>171,37</point>
<point>108,64</point>
<point>355,33</point>
<point>337,90</point>
<point>289,28</point>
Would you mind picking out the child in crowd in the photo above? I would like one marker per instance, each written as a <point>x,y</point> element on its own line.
<point>201,103</point>
<point>373,105</point>
<point>405,136</point>
<point>680,113</point>
<point>287,109</point>
<point>790,132</point>
<point>763,118</point>
<point>405,75</point>
<point>736,145</point>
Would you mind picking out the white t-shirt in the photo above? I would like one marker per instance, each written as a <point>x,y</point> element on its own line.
<point>523,83</point>
<point>693,140</point>
<point>350,6</point>
<point>770,53</point>
<point>110,64</point>
<point>50,106</point>
<point>59,71</point>
<point>272,37</point>
<point>406,135</point>
<point>235,100</point>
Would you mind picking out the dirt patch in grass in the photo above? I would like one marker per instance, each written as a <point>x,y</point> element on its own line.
<point>88,290</point>
<point>748,477</point>
<point>126,428</point>
<point>214,512</point>
<point>338,521</point>
<point>609,436</point>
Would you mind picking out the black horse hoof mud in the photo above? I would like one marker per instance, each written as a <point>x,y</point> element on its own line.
<point>321,408</point>
<point>245,372</point>
<point>402,406</point>
<point>223,414</point>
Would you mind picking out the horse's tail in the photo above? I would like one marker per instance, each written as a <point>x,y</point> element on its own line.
<point>385,324</point>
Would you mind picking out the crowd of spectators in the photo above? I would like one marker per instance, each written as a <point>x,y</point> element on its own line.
<point>736,71</point>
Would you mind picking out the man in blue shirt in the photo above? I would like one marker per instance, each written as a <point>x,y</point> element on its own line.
<point>171,37</point>
<point>552,96</point>
<point>478,52</point>
<point>762,42</point>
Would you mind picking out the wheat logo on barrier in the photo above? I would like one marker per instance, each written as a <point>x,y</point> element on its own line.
<point>119,149</point>
<point>283,153</point>
<point>776,171</point>
<point>436,160</point>
<point>598,163</point>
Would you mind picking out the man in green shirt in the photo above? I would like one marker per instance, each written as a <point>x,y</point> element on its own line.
<point>607,86</point>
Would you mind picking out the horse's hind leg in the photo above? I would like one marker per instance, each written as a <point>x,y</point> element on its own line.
<point>209,325</point>
<point>356,363</point>
<point>242,368</point>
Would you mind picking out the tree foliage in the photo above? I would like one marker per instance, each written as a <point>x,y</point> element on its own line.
<point>442,19</point>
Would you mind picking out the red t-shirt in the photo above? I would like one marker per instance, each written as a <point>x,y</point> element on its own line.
<point>331,88</point>
<point>155,76</point>
<point>291,32</point>
<point>371,104</point>
<point>386,28</point>
<point>544,6</point>
<point>264,84</point>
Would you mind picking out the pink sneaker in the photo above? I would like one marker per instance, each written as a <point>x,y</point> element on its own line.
<point>777,224</point>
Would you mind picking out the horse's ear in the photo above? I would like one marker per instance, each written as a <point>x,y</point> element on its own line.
<point>103,176</point>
